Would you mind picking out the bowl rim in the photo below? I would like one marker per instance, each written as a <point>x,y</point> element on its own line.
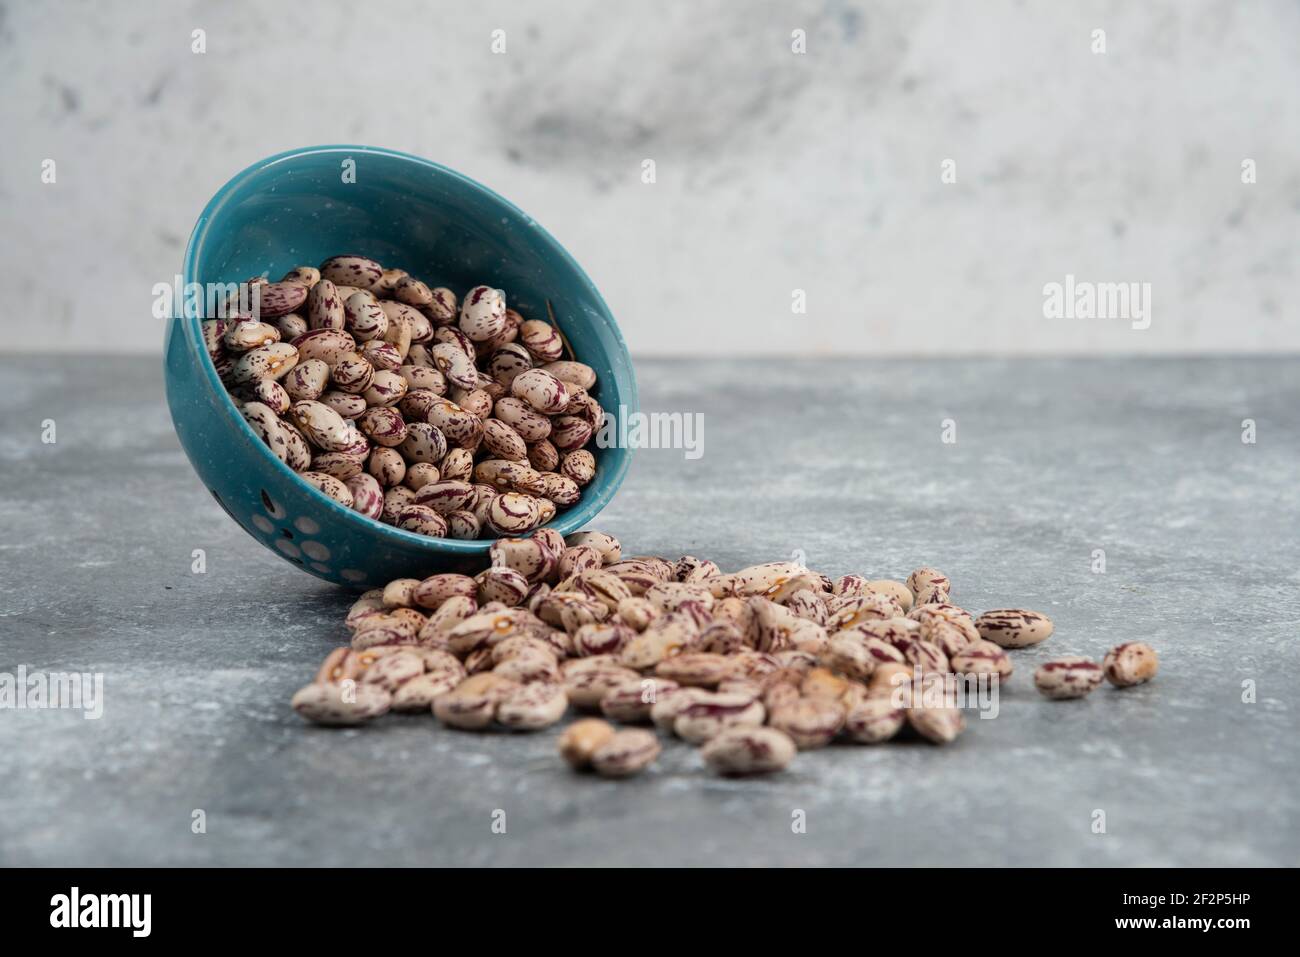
<point>570,519</point>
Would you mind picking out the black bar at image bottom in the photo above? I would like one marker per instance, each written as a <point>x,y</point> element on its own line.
<point>332,905</point>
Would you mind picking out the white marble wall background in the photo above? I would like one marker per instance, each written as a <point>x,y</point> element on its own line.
<point>775,171</point>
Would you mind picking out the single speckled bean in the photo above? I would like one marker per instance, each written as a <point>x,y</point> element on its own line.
<point>541,340</point>
<point>575,373</point>
<point>483,313</point>
<point>321,425</point>
<point>442,308</point>
<point>306,276</point>
<point>503,442</point>
<point>307,379</point>
<point>625,753</point>
<point>607,545</point>
<point>281,298</point>
<point>533,706</point>
<point>298,453</point>
<point>587,687</point>
<point>458,465</point>
<point>331,486</point>
<point>446,496</point>
<point>419,475</point>
<point>423,443</point>
<point>501,584</point>
<point>1070,677</point>
<point>394,670</point>
<point>933,595</point>
<point>383,426</point>
<point>982,658</point>
<point>926,577</point>
<point>263,420</point>
<point>1130,664</point>
<point>352,271</point>
<point>364,317</point>
<point>348,406</point>
<point>387,388</point>
<point>344,704</point>
<point>810,722</point>
<point>711,712</point>
<point>462,525</point>
<point>367,496</point>
<point>420,519</point>
<point>325,307</point>
<point>396,499</point>
<point>578,465</point>
<point>291,326</point>
<point>601,638</point>
<point>895,590</point>
<point>632,701</point>
<point>665,636</point>
<point>352,374</point>
<point>541,390</point>
<point>247,334</point>
<point>570,433</point>
<point>582,739</point>
<point>472,705</point>
<point>511,513</point>
<point>411,291</point>
<point>433,591</point>
<point>744,750</point>
<point>1014,627</point>
<point>874,720</point>
<point>265,362</point>
<point>698,669</point>
<point>543,456</point>
<point>328,345</point>
<point>337,464</point>
<point>937,725</point>
<point>399,593</point>
<point>419,693</point>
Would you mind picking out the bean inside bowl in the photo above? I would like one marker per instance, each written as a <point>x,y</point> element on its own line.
<point>300,208</point>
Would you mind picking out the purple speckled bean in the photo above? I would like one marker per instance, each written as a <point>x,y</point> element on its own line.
<point>383,426</point>
<point>483,313</point>
<point>1014,627</point>
<point>626,753</point>
<point>541,390</point>
<point>328,345</point>
<point>367,495</point>
<point>511,513</point>
<point>446,496</point>
<point>349,270</point>
<point>1131,663</point>
<point>1071,677</point>
<point>419,519</point>
<point>742,750</point>
<point>281,298</point>
<point>341,704</point>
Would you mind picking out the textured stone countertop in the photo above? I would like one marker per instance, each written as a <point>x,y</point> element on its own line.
<point>1143,459</point>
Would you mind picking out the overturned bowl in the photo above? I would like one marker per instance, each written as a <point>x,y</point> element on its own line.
<point>303,206</point>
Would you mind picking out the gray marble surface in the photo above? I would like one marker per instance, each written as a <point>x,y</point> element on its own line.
<point>839,460</point>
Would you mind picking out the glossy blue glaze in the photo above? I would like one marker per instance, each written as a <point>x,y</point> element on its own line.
<point>406,212</point>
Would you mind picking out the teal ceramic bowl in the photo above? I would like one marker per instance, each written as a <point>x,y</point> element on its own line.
<point>406,212</point>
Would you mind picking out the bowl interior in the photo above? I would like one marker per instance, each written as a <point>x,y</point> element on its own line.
<point>299,208</point>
